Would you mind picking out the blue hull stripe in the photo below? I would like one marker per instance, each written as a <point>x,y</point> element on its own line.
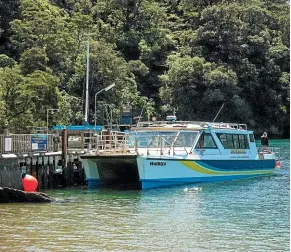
<point>227,165</point>
<point>157,183</point>
<point>93,183</point>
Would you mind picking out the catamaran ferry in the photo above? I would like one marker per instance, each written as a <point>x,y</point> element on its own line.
<point>168,153</point>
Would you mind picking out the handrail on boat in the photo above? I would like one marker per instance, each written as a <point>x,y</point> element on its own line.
<point>110,142</point>
<point>118,142</point>
<point>121,142</point>
<point>220,125</point>
<point>267,150</point>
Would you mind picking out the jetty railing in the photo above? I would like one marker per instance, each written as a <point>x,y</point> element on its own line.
<point>25,143</point>
<point>42,142</point>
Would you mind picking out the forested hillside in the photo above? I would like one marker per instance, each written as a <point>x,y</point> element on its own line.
<point>190,56</point>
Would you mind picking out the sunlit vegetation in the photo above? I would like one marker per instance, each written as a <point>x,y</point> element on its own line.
<point>190,56</point>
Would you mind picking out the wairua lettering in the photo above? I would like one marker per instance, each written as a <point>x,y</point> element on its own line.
<point>158,163</point>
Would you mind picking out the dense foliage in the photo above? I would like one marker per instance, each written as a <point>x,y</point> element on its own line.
<point>188,56</point>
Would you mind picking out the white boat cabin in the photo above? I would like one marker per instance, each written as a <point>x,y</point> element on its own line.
<point>193,139</point>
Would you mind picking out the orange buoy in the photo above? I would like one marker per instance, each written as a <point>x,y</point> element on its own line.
<point>30,183</point>
<point>278,164</point>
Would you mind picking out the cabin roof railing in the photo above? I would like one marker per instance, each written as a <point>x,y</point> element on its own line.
<point>218,125</point>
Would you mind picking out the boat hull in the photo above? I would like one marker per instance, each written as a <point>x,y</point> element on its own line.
<point>155,173</point>
<point>112,171</point>
<point>142,172</point>
<point>91,173</point>
<point>158,183</point>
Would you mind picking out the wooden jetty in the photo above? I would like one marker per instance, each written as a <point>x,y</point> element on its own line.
<point>52,157</point>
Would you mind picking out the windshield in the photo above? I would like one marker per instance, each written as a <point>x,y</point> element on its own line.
<point>162,138</point>
<point>185,139</point>
<point>151,138</point>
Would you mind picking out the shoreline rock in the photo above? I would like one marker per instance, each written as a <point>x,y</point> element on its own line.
<point>10,195</point>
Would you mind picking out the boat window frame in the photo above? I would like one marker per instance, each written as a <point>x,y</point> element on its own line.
<point>196,132</point>
<point>242,141</point>
<point>161,136</point>
<point>251,138</point>
<point>149,136</point>
<point>202,135</point>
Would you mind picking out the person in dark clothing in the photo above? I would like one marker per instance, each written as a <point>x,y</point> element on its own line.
<point>265,140</point>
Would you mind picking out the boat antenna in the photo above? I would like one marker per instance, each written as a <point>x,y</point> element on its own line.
<point>218,113</point>
<point>141,113</point>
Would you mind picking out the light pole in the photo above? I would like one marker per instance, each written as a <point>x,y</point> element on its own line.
<point>87,82</point>
<point>104,89</point>
<point>47,122</point>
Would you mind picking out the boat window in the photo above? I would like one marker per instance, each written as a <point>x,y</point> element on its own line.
<point>242,142</point>
<point>230,141</point>
<point>167,139</point>
<point>161,139</point>
<point>233,141</point>
<point>185,139</point>
<point>246,141</point>
<point>206,141</point>
<point>223,139</point>
<point>141,138</point>
<point>151,139</point>
<point>252,138</point>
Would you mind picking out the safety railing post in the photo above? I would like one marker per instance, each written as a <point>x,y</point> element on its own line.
<point>97,143</point>
<point>135,144</point>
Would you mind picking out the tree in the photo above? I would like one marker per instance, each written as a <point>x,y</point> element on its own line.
<point>15,111</point>
<point>139,29</point>
<point>71,107</point>
<point>9,10</point>
<point>6,61</point>
<point>33,59</point>
<point>245,37</point>
<point>24,99</point>
<point>48,28</point>
<point>106,67</point>
<point>193,55</point>
<point>41,89</point>
<point>198,88</point>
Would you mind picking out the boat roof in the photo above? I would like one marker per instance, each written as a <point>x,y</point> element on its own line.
<point>187,125</point>
<point>78,127</point>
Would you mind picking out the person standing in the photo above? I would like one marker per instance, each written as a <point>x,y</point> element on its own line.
<point>56,141</point>
<point>265,140</point>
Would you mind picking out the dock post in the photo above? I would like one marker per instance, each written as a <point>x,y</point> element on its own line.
<point>64,155</point>
<point>45,174</point>
<point>41,174</point>
<point>50,176</point>
<point>37,171</point>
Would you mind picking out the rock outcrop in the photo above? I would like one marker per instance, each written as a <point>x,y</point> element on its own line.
<point>9,195</point>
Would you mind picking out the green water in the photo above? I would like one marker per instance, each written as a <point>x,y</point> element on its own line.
<point>245,215</point>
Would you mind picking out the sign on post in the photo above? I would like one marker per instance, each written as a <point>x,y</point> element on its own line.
<point>8,144</point>
<point>38,142</point>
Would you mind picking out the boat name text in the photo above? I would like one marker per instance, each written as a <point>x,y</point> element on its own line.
<point>158,163</point>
